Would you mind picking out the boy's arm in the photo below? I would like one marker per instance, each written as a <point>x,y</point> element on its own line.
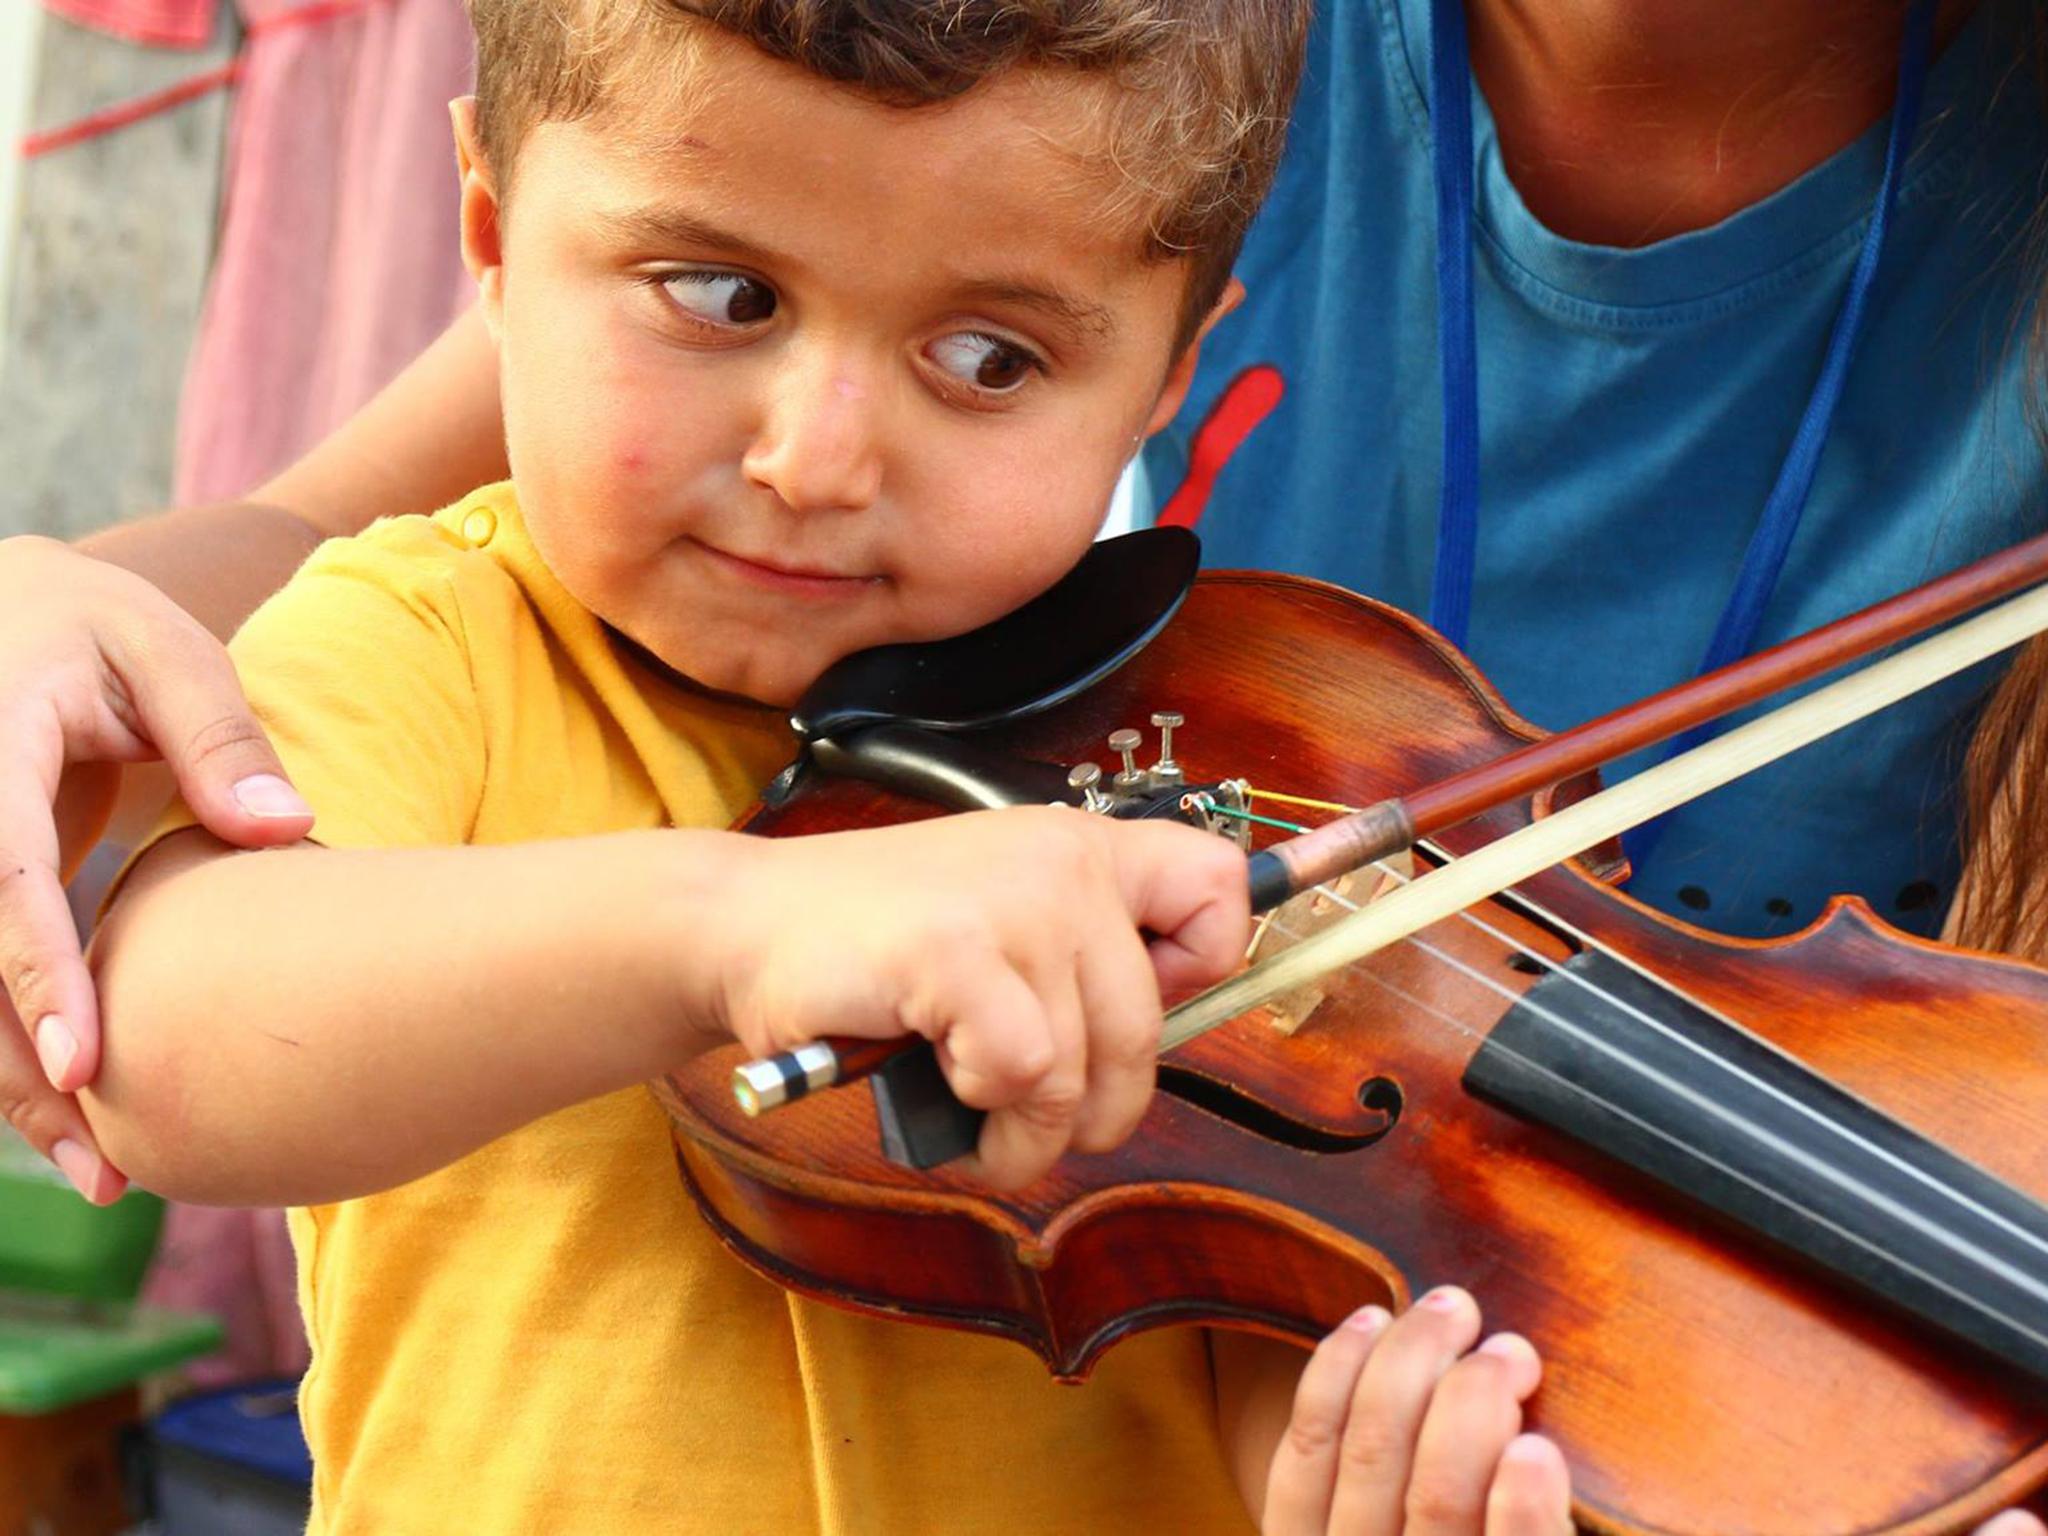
<point>306,1025</point>
<point>311,1024</point>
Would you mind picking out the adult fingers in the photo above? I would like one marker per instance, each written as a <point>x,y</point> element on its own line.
<point>1387,1411</point>
<point>185,698</point>
<point>1303,1479</point>
<point>1475,1412</point>
<point>42,971</point>
<point>48,1120</point>
<point>1532,1492</point>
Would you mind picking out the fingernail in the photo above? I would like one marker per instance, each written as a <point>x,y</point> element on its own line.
<point>1445,1298</point>
<point>1519,1358</point>
<point>1368,1320</point>
<point>1527,1449</point>
<point>267,795</point>
<point>57,1047</point>
<point>2014,1522</point>
<point>1506,1346</point>
<point>78,1165</point>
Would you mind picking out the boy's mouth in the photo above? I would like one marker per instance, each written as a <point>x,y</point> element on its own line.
<point>790,580</point>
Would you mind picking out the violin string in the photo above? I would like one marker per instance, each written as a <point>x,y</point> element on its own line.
<point>1842,1178</point>
<point>1848,1133</point>
<point>1799,1106</point>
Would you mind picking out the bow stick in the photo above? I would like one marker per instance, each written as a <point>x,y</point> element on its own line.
<point>1564,834</point>
<point>1396,824</point>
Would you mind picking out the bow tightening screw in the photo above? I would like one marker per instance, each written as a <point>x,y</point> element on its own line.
<point>1085,777</point>
<point>1127,742</point>
<point>1167,771</point>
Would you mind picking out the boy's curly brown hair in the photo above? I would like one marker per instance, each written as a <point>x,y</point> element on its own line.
<point>1196,124</point>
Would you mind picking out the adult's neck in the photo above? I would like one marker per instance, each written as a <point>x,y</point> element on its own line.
<point>1623,122</point>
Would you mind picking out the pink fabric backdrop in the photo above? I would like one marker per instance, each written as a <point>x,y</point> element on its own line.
<point>337,262</point>
<point>162,23</point>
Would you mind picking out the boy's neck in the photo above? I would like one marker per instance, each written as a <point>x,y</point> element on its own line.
<point>1623,122</point>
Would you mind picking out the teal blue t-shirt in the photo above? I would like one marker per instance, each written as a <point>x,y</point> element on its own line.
<point>1635,405</point>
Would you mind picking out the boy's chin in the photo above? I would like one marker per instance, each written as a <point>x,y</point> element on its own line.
<point>738,680</point>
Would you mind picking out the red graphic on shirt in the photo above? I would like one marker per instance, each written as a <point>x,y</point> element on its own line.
<point>1248,400</point>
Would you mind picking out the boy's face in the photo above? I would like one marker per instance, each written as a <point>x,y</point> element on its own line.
<point>788,374</point>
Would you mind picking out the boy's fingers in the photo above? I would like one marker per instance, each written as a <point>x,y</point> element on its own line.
<point>189,703</point>
<point>1387,1410</point>
<point>1532,1491</point>
<point>1188,888</point>
<point>1303,1478</point>
<point>1474,1413</point>
<point>994,1041</point>
<point>1120,1000</point>
<point>1026,1135</point>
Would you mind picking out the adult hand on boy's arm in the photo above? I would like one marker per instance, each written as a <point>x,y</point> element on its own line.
<point>98,668</point>
<point>84,645</point>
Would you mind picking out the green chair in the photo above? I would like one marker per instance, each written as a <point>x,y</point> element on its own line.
<point>74,1344</point>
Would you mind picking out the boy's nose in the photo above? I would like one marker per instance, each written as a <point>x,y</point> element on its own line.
<point>819,445</point>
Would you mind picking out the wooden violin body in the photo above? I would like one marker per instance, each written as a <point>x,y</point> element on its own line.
<point>1702,1381</point>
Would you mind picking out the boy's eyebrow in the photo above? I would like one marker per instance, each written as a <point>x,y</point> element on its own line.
<point>1082,314</point>
<point>672,226</point>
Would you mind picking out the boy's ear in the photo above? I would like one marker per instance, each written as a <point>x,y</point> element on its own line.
<point>483,245</point>
<point>1182,374</point>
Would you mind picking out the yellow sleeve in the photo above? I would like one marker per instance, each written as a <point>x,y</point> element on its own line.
<point>359,670</point>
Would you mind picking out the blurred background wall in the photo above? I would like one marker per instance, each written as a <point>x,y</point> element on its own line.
<point>103,269</point>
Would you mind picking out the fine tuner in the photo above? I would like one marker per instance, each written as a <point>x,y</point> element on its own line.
<point>1161,790</point>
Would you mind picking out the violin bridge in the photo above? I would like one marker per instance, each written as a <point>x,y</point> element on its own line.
<point>1309,913</point>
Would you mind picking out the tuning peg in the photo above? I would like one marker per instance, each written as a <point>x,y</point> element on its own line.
<point>1167,771</point>
<point>1085,777</point>
<point>1127,742</point>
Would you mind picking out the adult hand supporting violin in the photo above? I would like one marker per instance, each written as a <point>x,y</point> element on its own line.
<point>1405,1426</point>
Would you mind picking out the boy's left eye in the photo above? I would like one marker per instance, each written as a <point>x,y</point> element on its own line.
<point>720,298</point>
<point>988,363</point>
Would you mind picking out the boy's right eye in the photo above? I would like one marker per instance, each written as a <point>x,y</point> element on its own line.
<point>720,298</point>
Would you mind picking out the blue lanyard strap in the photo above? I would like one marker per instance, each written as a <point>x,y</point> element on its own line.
<point>1458,510</point>
<point>1457,528</point>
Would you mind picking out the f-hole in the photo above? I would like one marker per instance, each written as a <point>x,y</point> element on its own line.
<point>1380,1095</point>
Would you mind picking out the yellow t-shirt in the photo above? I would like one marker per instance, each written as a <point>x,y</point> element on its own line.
<point>545,1337</point>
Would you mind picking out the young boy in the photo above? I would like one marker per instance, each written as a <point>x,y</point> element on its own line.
<point>822,326</point>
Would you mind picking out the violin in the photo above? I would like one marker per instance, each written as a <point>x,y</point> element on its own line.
<point>1771,1210</point>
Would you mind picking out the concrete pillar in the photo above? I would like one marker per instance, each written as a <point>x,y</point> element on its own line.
<point>105,267</point>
